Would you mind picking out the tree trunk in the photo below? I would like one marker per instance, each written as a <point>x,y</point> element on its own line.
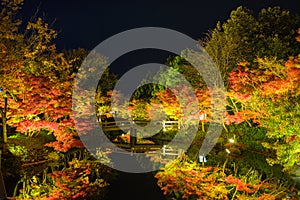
<point>3,115</point>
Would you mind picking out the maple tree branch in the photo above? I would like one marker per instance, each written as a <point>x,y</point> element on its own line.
<point>34,163</point>
<point>2,112</point>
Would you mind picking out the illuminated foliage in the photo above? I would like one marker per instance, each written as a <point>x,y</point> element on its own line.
<point>244,37</point>
<point>184,179</point>
<point>36,84</point>
<point>45,104</point>
<point>269,96</point>
<point>25,53</point>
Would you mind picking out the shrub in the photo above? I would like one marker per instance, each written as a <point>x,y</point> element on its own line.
<point>184,179</point>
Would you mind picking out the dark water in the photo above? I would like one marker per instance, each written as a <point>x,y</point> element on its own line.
<point>135,187</point>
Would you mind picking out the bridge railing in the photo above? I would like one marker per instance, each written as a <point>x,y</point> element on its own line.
<point>115,123</point>
<point>167,151</point>
<point>170,124</point>
<point>128,124</point>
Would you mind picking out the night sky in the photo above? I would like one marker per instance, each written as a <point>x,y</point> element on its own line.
<point>86,23</point>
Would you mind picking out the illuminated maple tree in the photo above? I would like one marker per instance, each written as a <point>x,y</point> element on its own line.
<point>269,97</point>
<point>24,53</point>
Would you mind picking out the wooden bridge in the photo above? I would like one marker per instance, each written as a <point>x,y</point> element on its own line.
<point>123,126</point>
<point>157,153</point>
<point>118,125</point>
<point>167,151</point>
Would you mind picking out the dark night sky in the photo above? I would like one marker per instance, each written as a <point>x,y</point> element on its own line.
<point>86,23</point>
